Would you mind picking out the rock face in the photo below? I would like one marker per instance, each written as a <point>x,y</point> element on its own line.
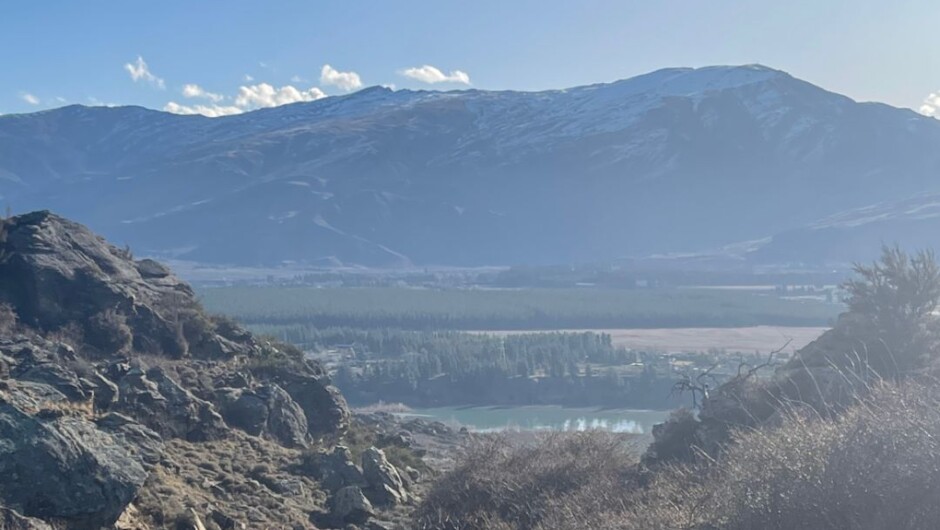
<point>336,470</point>
<point>58,273</point>
<point>385,485</point>
<point>113,381</point>
<point>349,505</point>
<point>267,410</point>
<point>59,465</point>
<point>167,407</point>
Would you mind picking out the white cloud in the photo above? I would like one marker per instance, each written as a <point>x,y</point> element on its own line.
<point>196,91</point>
<point>95,102</point>
<point>431,75</point>
<point>347,81</point>
<point>931,105</point>
<point>212,111</point>
<point>265,95</point>
<point>249,97</point>
<point>141,72</point>
<point>248,78</point>
<point>29,98</point>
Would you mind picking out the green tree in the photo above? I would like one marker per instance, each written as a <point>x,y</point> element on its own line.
<point>893,301</point>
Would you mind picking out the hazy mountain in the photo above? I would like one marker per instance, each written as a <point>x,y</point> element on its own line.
<point>676,160</point>
<point>856,235</point>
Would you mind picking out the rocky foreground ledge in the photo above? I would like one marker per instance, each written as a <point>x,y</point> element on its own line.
<point>123,405</point>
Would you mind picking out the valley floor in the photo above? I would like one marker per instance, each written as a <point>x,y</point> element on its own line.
<point>749,339</point>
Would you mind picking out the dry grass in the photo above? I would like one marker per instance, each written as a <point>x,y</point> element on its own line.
<point>684,340</point>
<point>498,484</point>
<point>875,466</point>
<point>8,319</point>
<point>247,479</point>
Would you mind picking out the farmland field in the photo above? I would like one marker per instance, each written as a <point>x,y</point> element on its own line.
<point>514,309</point>
<point>680,340</point>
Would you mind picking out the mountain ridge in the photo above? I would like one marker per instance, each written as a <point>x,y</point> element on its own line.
<point>671,161</point>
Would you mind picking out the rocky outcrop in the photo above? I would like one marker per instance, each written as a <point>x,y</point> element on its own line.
<point>350,506</point>
<point>267,410</point>
<point>115,388</point>
<point>309,386</point>
<point>336,470</point>
<point>58,274</point>
<point>384,483</point>
<point>58,464</point>
<point>167,407</point>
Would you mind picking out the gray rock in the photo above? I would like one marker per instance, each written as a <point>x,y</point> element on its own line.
<point>336,470</point>
<point>10,520</point>
<point>106,391</point>
<point>67,467</point>
<point>43,361</point>
<point>168,408</point>
<point>349,505</point>
<point>324,407</point>
<point>58,272</point>
<point>384,483</point>
<point>267,410</point>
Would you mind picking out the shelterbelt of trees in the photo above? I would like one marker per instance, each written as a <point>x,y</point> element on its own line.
<point>436,368</point>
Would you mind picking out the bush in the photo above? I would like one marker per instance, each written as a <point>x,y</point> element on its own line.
<point>108,332</point>
<point>876,466</point>
<point>501,483</point>
<point>8,319</point>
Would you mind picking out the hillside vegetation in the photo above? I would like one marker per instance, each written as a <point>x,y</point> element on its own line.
<point>844,436</point>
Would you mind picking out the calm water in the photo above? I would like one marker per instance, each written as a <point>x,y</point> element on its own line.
<point>545,418</point>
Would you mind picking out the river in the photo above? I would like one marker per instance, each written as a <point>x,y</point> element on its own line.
<point>533,418</point>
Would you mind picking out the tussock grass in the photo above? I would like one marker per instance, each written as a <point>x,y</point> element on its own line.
<point>499,483</point>
<point>875,466</point>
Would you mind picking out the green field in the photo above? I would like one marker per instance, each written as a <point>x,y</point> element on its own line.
<point>513,309</point>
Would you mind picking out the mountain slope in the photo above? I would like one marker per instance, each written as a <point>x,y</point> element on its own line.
<point>678,159</point>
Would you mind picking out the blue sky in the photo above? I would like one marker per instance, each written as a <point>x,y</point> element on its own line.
<point>239,55</point>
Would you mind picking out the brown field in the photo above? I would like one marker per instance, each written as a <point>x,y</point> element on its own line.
<point>678,340</point>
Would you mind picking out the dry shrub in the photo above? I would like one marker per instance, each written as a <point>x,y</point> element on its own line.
<point>108,332</point>
<point>876,466</point>
<point>8,319</point>
<point>500,483</point>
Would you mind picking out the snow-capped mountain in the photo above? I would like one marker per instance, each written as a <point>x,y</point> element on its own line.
<point>675,160</point>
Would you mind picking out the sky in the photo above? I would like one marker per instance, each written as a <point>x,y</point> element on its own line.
<point>218,58</point>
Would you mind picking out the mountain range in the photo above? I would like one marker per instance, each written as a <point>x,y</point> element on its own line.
<point>677,161</point>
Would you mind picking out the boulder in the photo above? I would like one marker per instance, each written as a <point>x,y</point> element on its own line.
<point>336,470</point>
<point>309,386</point>
<point>383,482</point>
<point>64,467</point>
<point>267,410</point>
<point>350,506</point>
